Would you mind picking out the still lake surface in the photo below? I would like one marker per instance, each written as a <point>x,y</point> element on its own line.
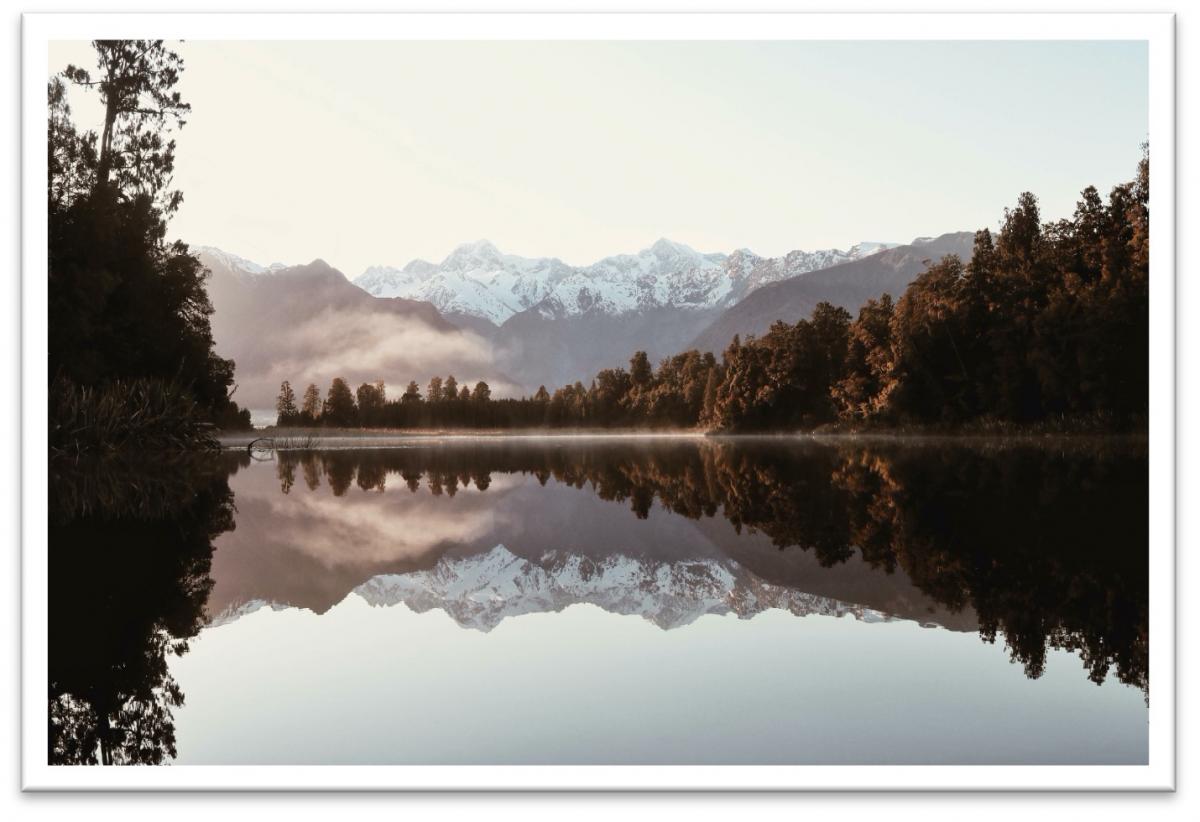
<point>604,601</point>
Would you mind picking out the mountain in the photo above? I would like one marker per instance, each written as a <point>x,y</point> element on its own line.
<point>308,323</point>
<point>481,591</point>
<point>848,284</point>
<point>522,322</point>
<point>233,262</point>
<point>551,323</point>
<point>479,281</point>
<point>475,280</point>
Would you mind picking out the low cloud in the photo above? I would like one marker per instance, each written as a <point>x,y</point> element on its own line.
<point>365,346</point>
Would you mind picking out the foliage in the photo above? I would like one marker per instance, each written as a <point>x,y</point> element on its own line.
<point>120,605</point>
<point>143,414</point>
<point>1045,326</point>
<point>124,303</point>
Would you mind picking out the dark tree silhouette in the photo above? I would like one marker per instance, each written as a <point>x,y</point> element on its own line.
<point>129,555</point>
<point>339,408</point>
<point>285,405</point>
<point>124,304</point>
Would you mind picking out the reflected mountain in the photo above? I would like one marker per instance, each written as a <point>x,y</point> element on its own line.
<point>482,590</point>
<point>1043,546</point>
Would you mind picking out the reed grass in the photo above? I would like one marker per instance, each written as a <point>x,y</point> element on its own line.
<point>141,414</point>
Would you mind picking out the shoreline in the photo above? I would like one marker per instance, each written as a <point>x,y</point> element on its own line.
<point>346,438</point>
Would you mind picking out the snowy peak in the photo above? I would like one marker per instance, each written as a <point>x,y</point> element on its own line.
<point>476,279</point>
<point>482,590</point>
<point>235,263</point>
<point>866,249</point>
<point>418,267</point>
<point>473,256</point>
<point>479,280</point>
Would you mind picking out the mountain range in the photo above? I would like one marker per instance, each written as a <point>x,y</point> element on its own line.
<point>480,281</point>
<point>308,323</point>
<point>521,322</point>
<point>481,591</point>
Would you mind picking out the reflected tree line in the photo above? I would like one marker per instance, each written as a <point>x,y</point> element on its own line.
<point>1047,546</point>
<point>129,573</point>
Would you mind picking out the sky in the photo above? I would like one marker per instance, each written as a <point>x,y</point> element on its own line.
<point>375,153</point>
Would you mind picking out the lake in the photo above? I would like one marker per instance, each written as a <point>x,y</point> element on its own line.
<point>579,600</point>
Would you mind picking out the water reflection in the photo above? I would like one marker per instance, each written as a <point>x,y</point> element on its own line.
<point>1033,546</point>
<point>131,547</point>
<point>1042,546</point>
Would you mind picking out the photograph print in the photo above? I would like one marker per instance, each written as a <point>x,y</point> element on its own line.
<point>561,401</point>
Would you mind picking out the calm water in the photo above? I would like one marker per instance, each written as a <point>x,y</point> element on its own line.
<point>592,601</point>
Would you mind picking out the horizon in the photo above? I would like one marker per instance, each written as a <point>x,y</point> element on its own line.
<point>720,145</point>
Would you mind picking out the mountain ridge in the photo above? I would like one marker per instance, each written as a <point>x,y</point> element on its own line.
<point>477,279</point>
<point>848,284</point>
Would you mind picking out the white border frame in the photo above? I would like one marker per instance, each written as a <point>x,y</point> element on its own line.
<point>1157,29</point>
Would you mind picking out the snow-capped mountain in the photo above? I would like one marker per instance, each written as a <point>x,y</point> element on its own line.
<point>237,264</point>
<point>478,280</point>
<point>482,590</point>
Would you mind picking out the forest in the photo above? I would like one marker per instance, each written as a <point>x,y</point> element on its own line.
<point>1047,324</point>
<point>131,359</point>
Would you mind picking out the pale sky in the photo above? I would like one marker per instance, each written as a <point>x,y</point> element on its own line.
<point>379,152</point>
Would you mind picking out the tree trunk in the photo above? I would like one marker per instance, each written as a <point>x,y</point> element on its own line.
<point>110,119</point>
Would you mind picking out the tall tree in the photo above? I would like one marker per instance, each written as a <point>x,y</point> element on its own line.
<point>434,392</point>
<point>125,304</point>
<point>412,393</point>
<point>370,403</point>
<point>285,405</point>
<point>311,408</point>
<point>136,82</point>
<point>339,405</point>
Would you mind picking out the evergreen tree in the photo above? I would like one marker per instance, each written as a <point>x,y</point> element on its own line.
<point>434,392</point>
<point>339,406</point>
<point>124,304</point>
<point>412,394</point>
<point>310,410</point>
<point>370,403</point>
<point>482,392</point>
<point>640,373</point>
<point>285,405</point>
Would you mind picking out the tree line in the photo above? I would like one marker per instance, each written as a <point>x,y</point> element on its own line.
<point>1048,322</point>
